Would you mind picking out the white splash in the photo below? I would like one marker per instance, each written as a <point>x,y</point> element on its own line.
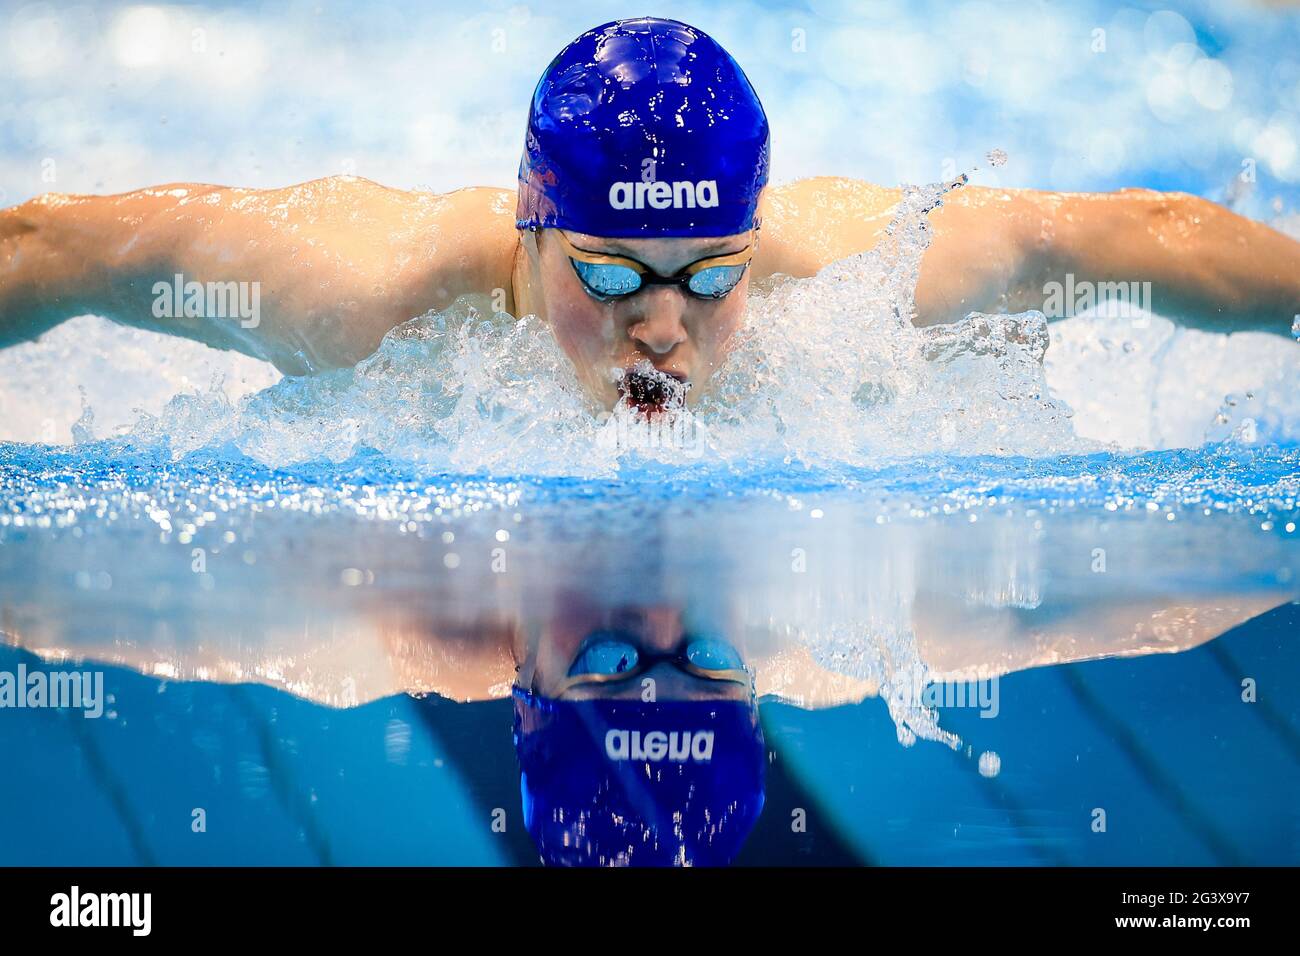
<point>827,369</point>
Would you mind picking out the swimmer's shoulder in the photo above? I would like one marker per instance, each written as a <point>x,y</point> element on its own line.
<point>363,203</point>
<point>433,246</point>
<point>812,222</point>
<point>346,202</point>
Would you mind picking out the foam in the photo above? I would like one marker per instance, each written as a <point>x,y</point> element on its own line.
<point>828,370</point>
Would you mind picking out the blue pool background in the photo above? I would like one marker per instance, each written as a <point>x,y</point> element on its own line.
<point>1187,773</point>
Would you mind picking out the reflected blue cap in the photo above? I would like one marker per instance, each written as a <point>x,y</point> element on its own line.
<point>628,783</point>
<point>644,128</point>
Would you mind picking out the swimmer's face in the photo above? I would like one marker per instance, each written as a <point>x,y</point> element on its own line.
<point>680,334</point>
<point>578,642</point>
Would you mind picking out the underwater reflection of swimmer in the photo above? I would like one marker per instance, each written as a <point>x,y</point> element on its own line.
<point>641,747</point>
<point>606,776</point>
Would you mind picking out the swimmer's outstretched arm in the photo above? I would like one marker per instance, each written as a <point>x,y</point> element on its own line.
<point>1208,267</point>
<point>337,262</point>
<point>335,656</point>
<point>998,249</point>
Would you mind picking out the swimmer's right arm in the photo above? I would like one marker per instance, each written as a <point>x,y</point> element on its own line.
<point>336,263</point>
<point>63,255</point>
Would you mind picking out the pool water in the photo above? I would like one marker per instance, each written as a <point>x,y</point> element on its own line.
<point>270,688</point>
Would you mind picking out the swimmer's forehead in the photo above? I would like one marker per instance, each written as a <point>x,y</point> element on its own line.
<point>653,251</point>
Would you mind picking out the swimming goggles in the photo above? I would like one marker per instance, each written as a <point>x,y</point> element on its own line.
<point>609,656</point>
<point>612,277</point>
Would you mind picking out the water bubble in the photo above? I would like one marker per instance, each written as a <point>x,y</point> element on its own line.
<point>990,764</point>
<point>397,741</point>
<point>997,157</point>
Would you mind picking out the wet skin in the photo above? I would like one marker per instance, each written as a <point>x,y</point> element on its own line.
<point>342,261</point>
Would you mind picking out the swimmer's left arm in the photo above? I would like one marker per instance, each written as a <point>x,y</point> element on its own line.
<point>1208,268</point>
<point>977,260</point>
<point>1003,249</point>
<point>1019,249</point>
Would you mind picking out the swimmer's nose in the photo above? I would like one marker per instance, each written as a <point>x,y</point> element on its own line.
<point>660,327</point>
<point>661,629</point>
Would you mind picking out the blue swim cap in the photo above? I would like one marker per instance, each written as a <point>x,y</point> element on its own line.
<point>643,127</point>
<point>627,783</point>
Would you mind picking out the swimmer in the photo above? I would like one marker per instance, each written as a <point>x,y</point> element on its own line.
<point>640,220</point>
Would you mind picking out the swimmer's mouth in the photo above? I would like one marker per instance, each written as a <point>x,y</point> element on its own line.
<point>651,389</point>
